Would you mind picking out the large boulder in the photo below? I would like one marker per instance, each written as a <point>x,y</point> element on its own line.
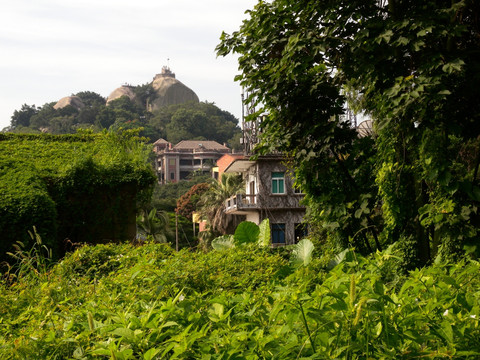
<point>74,101</point>
<point>169,91</point>
<point>124,90</point>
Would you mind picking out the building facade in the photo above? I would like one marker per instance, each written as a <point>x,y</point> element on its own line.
<point>269,192</point>
<point>179,162</point>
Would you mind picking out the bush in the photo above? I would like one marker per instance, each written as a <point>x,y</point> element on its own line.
<point>79,187</point>
<point>147,302</point>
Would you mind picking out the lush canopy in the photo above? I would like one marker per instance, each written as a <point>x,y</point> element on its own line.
<point>186,121</point>
<point>414,68</point>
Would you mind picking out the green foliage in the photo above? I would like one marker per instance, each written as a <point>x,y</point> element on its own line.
<point>153,225</point>
<point>144,302</point>
<point>246,232</point>
<point>202,121</point>
<point>80,187</point>
<point>264,235</point>
<point>212,203</point>
<point>22,117</point>
<point>30,262</point>
<point>302,253</point>
<point>223,242</point>
<point>412,68</point>
<point>90,98</point>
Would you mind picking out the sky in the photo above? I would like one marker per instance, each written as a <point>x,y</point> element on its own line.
<point>50,49</point>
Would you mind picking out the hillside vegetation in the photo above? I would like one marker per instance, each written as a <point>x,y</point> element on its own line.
<point>176,122</point>
<point>127,302</point>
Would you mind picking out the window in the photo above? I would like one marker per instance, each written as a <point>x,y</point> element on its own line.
<point>278,233</point>
<point>172,176</point>
<point>278,183</point>
<point>297,189</point>
<point>301,231</point>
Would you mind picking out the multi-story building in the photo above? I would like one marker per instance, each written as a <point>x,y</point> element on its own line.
<point>174,163</point>
<point>269,192</point>
<point>269,188</point>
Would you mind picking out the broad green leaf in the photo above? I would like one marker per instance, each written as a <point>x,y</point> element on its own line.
<point>386,36</point>
<point>246,232</point>
<point>358,213</point>
<point>378,329</point>
<point>302,253</point>
<point>101,352</point>
<point>215,312</point>
<point>151,353</point>
<point>264,236</point>
<point>125,333</point>
<point>223,243</point>
<point>447,331</point>
<point>452,66</point>
<point>340,257</point>
<point>403,40</point>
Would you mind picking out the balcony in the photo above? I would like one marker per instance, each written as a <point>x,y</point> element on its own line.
<point>240,203</point>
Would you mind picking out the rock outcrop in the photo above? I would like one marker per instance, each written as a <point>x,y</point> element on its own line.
<point>124,90</point>
<point>74,101</point>
<point>169,91</point>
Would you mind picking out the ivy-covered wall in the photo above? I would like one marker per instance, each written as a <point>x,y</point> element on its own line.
<point>77,188</point>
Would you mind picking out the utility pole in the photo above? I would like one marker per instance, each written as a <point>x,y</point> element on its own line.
<point>176,231</point>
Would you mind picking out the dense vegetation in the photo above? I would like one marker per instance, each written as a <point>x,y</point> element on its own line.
<point>147,302</point>
<point>403,203</point>
<point>187,121</point>
<point>81,188</point>
<point>413,67</point>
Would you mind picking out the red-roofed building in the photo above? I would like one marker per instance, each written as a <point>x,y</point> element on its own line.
<point>225,161</point>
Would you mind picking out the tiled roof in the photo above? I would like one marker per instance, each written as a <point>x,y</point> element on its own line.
<point>160,141</point>
<point>199,144</point>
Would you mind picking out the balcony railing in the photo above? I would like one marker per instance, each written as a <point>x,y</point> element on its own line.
<point>241,202</point>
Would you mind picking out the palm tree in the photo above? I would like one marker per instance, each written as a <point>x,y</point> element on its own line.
<point>212,203</point>
<point>154,224</point>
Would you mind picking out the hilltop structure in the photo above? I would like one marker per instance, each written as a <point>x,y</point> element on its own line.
<point>167,90</point>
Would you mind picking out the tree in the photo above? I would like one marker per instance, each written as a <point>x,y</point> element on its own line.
<point>185,125</point>
<point>212,203</point>
<point>21,118</point>
<point>415,66</point>
<point>144,94</point>
<point>42,118</point>
<point>91,99</point>
<point>126,105</point>
<point>187,203</point>
<point>195,121</point>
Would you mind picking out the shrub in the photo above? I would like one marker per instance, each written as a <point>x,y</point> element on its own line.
<point>82,187</point>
